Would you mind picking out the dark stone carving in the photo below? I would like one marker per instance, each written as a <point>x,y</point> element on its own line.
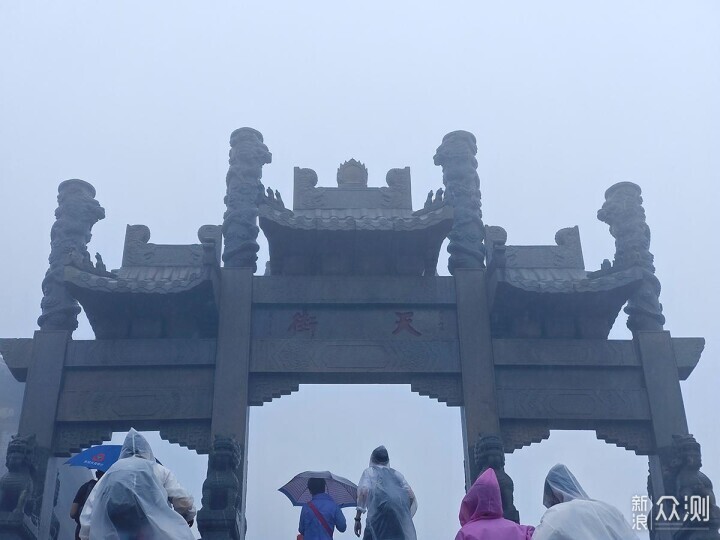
<point>634,436</point>
<point>74,437</point>
<point>519,433</point>
<point>76,214</point>
<point>456,156</point>
<point>16,486</point>
<point>445,388</point>
<point>489,454</point>
<point>624,213</point>
<point>220,517</point>
<point>263,387</point>
<point>194,435</point>
<point>352,173</point>
<point>248,154</point>
<point>691,484</point>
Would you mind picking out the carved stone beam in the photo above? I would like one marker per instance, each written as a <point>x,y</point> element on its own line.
<point>624,212</point>
<point>75,216</point>
<point>456,156</point>
<point>248,154</point>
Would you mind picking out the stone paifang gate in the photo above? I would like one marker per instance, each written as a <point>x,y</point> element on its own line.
<point>517,336</point>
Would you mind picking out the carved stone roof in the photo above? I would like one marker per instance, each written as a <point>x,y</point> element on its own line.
<point>545,291</point>
<point>141,279</point>
<point>355,219</point>
<point>126,302</point>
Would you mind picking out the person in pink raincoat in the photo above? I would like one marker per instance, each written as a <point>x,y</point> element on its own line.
<point>481,514</point>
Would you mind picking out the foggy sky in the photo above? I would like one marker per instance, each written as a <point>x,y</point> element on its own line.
<point>565,99</point>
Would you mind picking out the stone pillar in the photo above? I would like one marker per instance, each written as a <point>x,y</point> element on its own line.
<point>75,216</point>
<point>479,410</point>
<point>624,213</point>
<point>230,401</point>
<point>456,156</point>
<point>248,154</point>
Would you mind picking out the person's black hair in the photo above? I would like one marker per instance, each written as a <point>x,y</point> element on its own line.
<point>99,474</point>
<point>316,485</point>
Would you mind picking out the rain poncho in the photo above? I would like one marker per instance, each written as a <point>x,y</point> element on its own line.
<point>481,513</point>
<point>388,500</point>
<point>572,514</point>
<point>131,501</point>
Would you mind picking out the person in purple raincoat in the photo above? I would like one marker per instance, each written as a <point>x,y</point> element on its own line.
<point>481,513</point>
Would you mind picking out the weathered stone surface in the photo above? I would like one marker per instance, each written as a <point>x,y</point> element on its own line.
<point>248,154</point>
<point>76,214</point>
<point>456,156</point>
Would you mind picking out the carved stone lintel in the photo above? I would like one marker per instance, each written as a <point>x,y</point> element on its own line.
<point>624,213</point>
<point>221,516</point>
<point>490,454</point>
<point>248,154</point>
<point>456,156</point>
<point>75,216</point>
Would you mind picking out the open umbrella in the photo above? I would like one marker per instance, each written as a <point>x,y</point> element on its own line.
<point>97,457</point>
<point>342,490</point>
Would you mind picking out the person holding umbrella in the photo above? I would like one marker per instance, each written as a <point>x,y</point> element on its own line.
<point>320,516</point>
<point>388,500</point>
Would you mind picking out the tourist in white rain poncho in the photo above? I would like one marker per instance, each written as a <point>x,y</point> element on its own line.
<point>131,501</point>
<point>388,500</point>
<point>572,515</point>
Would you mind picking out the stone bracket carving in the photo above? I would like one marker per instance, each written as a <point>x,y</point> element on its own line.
<point>445,388</point>
<point>71,438</point>
<point>266,387</point>
<point>634,436</point>
<point>519,433</point>
<point>194,435</point>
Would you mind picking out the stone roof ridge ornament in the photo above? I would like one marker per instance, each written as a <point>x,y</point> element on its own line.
<point>624,213</point>
<point>248,154</point>
<point>352,173</point>
<point>456,156</point>
<point>75,216</point>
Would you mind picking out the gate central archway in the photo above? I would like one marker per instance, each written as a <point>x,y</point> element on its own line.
<point>516,336</point>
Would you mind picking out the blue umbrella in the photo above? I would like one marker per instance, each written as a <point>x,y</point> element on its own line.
<point>97,457</point>
<point>342,490</point>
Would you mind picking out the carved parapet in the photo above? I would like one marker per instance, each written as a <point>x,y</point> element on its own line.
<point>248,154</point>
<point>624,213</point>
<point>456,156</point>
<point>220,517</point>
<point>75,216</point>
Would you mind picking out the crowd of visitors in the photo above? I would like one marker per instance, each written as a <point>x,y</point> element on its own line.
<point>139,499</point>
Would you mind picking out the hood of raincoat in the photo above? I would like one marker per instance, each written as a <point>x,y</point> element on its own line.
<point>482,500</point>
<point>136,445</point>
<point>562,486</point>
<point>379,456</point>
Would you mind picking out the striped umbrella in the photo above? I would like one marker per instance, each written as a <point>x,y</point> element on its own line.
<point>342,490</point>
